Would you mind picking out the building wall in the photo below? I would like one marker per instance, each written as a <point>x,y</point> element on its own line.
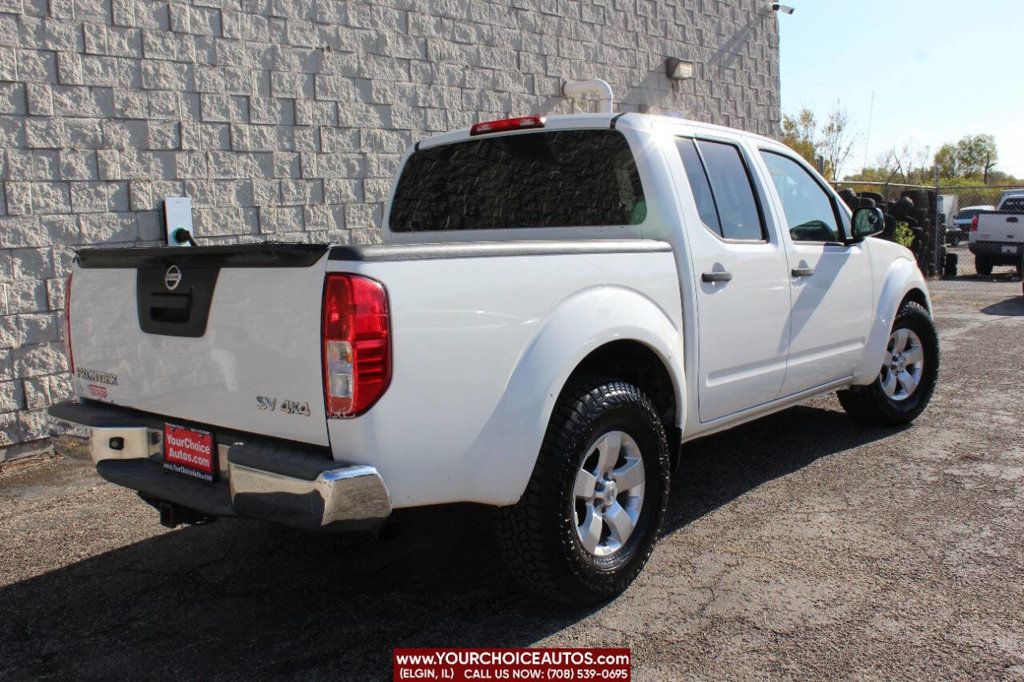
<point>286,119</point>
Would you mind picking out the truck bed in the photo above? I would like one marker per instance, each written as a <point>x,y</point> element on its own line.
<point>469,323</point>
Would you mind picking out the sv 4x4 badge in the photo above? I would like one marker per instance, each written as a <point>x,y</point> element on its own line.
<point>269,404</point>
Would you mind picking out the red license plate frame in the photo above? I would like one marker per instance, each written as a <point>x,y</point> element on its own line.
<point>190,452</point>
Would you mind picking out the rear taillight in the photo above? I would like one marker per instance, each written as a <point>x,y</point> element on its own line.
<point>356,344</point>
<point>974,224</point>
<point>67,324</point>
<point>506,124</point>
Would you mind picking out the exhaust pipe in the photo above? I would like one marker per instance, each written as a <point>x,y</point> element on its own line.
<point>593,87</point>
<point>174,515</point>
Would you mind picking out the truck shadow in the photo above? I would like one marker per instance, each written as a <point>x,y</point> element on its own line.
<point>1000,276</point>
<point>715,470</point>
<point>1011,307</point>
<point>236,598</point>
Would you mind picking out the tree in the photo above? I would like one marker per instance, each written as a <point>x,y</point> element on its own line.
<point>836,142</point>
<point>906,163</point>
<point>977,154</point>
<point>948,161</point>
<point>972,156</point>
<point>968,161</point>
<point>833,142</point>
<point>798,133</point>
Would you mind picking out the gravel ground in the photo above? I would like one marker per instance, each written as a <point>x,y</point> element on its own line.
<point>800,545</point>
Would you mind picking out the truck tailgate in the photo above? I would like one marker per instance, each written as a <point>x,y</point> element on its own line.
<point>999,227</point>
<point>224,336</point>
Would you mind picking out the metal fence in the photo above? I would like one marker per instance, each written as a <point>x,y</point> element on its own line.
<point>936,215</point>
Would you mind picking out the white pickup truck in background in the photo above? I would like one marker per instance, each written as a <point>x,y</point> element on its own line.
<point>997,237</point>
<point>559,304</point>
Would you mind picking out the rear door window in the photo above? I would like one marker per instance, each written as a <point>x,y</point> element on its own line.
<point>700,185</point>
<point>723,189</point>
<point>564,178</point>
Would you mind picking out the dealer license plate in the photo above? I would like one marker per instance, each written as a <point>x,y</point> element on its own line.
<point>1009,249</point>
<point>189,451</point>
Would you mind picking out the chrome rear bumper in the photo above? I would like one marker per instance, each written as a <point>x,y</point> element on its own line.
<point>269,480</point>
<point>95,442</point>
<point>1001,253</point>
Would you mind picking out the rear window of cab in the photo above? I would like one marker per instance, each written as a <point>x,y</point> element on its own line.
<point>562,178</point>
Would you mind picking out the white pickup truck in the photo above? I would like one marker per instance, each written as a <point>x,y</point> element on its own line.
<point>997,237</point>
<point>559,304</point>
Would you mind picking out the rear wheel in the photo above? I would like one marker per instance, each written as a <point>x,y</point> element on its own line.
<point>983,265</point>
<point>907,378</point>
<point>590,516</point>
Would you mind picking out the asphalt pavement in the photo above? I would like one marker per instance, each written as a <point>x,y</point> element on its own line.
<point>801,545</point>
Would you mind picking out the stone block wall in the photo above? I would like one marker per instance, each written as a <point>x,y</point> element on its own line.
<point>286,119</point>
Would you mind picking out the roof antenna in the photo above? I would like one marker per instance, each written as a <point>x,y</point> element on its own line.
<point>595,87</point>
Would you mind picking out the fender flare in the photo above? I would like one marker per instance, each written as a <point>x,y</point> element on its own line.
<point>507,447</point>
<point>900,279</point>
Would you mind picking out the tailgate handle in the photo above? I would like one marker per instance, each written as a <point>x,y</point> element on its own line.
<point>171,301</point>
<point>1011,219</point>
<point>173,308</point>
<point>182,309</point>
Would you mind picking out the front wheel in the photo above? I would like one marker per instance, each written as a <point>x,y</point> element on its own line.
<point>908,375</point>
<point>591,513</point>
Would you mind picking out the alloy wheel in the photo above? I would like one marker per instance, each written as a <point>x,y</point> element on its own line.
<point>904,365</point>
<point>608,493</point>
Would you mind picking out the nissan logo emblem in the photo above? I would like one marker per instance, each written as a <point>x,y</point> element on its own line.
<point>172,278</point>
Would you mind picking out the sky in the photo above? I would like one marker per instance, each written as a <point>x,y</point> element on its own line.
<point>939,70</point>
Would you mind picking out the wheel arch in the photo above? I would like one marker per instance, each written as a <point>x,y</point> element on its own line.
<point>917,295</point>
<point>634,362</point>
<point>902,282</point>
<point>585,332</point>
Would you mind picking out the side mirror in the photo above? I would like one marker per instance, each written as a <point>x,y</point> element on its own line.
<point>867,222</point>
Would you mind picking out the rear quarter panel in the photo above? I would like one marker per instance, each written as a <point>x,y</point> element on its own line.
<point>481,348</point>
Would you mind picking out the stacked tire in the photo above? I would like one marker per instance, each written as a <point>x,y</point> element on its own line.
<point>916,208</point>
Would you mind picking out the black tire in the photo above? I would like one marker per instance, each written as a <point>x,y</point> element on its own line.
<point>870,404</point>
<point>538,535</point>
<point>849,197</point>
<point>902,208</point>
<point>983,265</point>
<point>890,228</point>
<point>949,267</point>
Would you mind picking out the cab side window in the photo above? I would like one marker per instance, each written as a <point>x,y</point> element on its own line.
<point>722,189</point>
<point>810,211</point>
<point>699,185</point>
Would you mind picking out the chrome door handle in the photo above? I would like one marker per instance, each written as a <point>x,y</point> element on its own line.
<point>719,276</point>
<point>803,272</point>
